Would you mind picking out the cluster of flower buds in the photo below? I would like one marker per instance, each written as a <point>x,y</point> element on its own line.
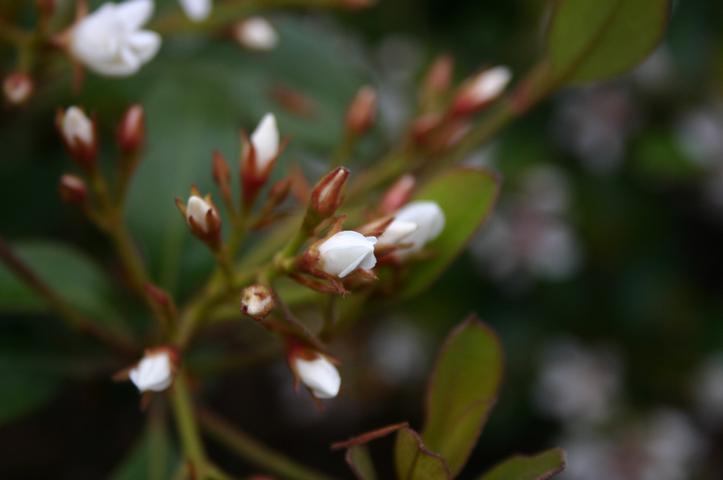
<point>255,33</point>
<point>316,370</point>
<point>17,87</point>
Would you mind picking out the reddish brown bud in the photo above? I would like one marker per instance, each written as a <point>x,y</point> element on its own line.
<point>279,191</point>
<point>397,195</point>
<point>362,111</point>
<point>439,76</point>
<point>132,129</point>
<point>78,133</point>
<point>480,90</point>
<point>158,295</point>
<point>327,195</point>
<point>73,190</point>
<point>18,87</point>
<point>424,127</point>
<point>257,301</point>
<point>220,170</point>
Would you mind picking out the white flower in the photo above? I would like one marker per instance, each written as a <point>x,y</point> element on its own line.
<point>196,209</point>
<point>319,375</point>
<point>397,231</point>
<point>110,41</point>
<point>429,219</point>
<point>346,251</point>
<point>488,84</point>
<point>265,140</point>
<point>197,10</point>
<point>76,127</point>
<point>154,372</point>
<point>256,33</point>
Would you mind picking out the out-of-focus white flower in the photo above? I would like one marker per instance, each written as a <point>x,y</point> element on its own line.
<point>700,134</point>
<point>197,10</point>
<point>318,374</point>
<point>154,372</point>
<point>577,385</point>
<point>590,457</point>
<point>265,140</point>
<point>398,353</point>
<point>426,215</point>
<point>346,251</point>
<point>256,33</point>
<point>110,41</point>
<point>708,391</point>
<point>196,209</point>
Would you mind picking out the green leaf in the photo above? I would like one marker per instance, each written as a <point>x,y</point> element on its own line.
<point>154,457</point>
<point>414,461</point>
<point>71,274</point>
<point>598,39</point>
<point>534,467</point>
<point>360,462</point>
<point>25,384</point>
<point>461,391</point>
<point>466,196</point>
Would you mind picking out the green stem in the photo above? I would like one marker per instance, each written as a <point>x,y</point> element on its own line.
<point>186,423</point>
<point>254,451</point>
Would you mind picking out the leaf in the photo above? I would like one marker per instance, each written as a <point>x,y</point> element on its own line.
<point>24,384</point>
<point>466,196</point>
<point>360,462</point>
<point>414,461</point>
<point>598,39</point>
<point>71,274</point>
<point>461,391</point>
<point>534,467</point>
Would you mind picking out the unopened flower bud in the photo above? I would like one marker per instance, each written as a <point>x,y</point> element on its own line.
<point>480,90</point>
<point>155,371</point>
<point>279,191</point>
<point>316,372</point>
<point>18,87</point>
<point>197,10</point>
<point>131,130</point>
<point>220,170</point>
<point>259,156</point>
<point>426,215</point>
<point>202,218</point>
<point>79,137</point>
<point>110,41</point>
<point>362,111</point>
<point>346,251</point>
<point>73,190</point>
<point>256,33</point>
<point>397,195</point>
<point>257,301</point>
<point>439,77</point>
<point>327,195</point>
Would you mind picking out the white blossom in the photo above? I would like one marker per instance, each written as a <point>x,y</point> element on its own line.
<point>396,232</point>
<point>256,33</point>
<point>488,84</point>
<point>76,127</point>
<point>319,375</point>
<point>196,209</point>
<point>110,41</point>
<point>154,372</point>
<point>197,10</point>
<point>429,219</point>
<point>265,140</point>
<point>346,251</point>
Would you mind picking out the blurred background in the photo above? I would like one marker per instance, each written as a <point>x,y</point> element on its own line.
<point>600,268</point>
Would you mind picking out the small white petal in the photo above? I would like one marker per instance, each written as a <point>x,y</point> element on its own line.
<point>77,127</point>
<point>196,209</point>
<point>346,251</point>
<point>428,217</point>
<point>397,231</point>
<point>134,13</point>
<point>197,10</point>
<point>154,372</point>
<point>256,33</point>
<point>265,140</point>
<point>319,375</point>
<point>145,44</point>
<point>490,83</point>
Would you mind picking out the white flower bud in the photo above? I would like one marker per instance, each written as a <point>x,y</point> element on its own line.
<point>257,301</point>
<point>256,33</point>
<point>265,140</point>
<point>154,372</point>
<point>428,217</point>
<point>110,41</point>
<point>319,375</point>
<point>396,232</point>
<point>77,128</point>
<point>488,84</point>
<point>197,10</point>
<point>346,251</point>
<point>196,209</point>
